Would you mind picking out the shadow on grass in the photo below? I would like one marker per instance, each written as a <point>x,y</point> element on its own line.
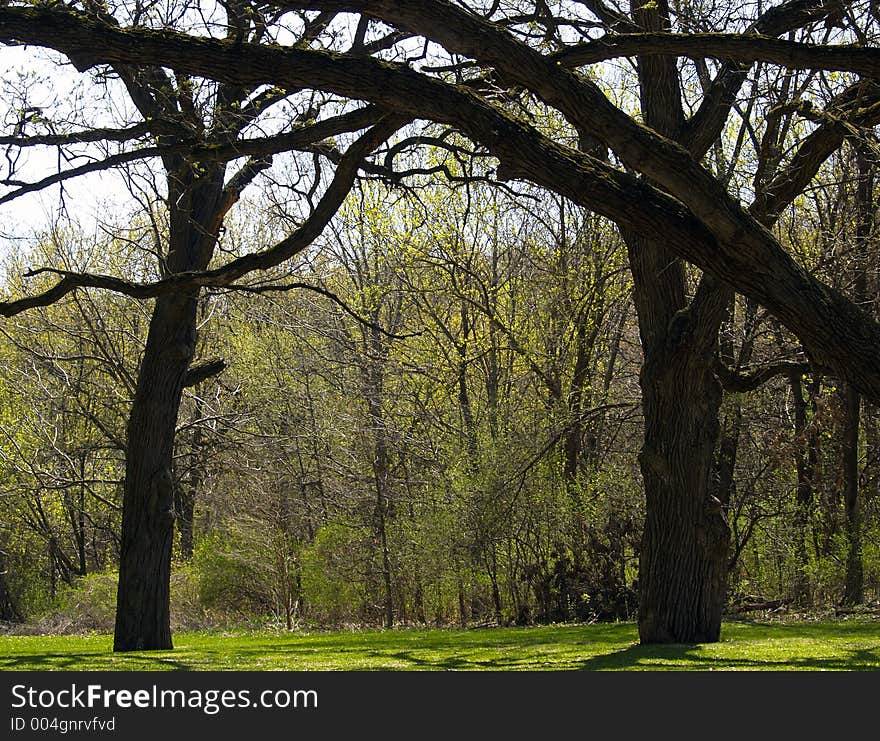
<point>689,657</point>
<point>87,661</point>
<point>750,646</point>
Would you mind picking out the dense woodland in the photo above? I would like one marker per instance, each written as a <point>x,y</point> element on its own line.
<point>466,387</point>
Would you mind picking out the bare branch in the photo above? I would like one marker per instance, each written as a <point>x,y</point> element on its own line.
<point>858,106</point>
<point>283,287</point>
<point>702,222</point>
<point>346,172</point>
<point>258,148</point>
<point>741,382</point>
<point>203,371</point>
<point>738,47</point>
<point>137,131</point>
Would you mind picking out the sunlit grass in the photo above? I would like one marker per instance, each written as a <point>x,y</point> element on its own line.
<point>849,645</point>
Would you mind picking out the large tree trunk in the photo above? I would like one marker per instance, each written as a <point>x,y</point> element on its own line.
<point>683,558</point>
<point>683,567</point>
<point>143,619</point>
<point>142,609</point>
<point>854,585</point>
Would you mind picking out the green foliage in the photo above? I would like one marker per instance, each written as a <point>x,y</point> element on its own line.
<point>338,468</point>
<point>89,606</point>
<point>871,557</point>
<point>232,584</point>
<point>25,575</point>
<point>333,574</point>
<point>188,612</point>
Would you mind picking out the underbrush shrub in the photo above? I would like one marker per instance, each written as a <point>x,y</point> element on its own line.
<point>187,610</point>
<point>333,576</point>
<point>231,587</point>
<point>87,606</point>
<point>26,578</point>
<point>871,562</point>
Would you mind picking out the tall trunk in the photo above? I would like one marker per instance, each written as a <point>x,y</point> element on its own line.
<point>854,589</point>
<point>464,397</point>
<point>493,351</point>
<point>185,495</point>
<point>462,606</point>
<point>871,471</point>
<point>53,575</point>
<point>492,570</point>
<point>854,585</point>
<point>807,458</point>
<point>317,454</point>
<point>304,483</point>
<point>143,619</point>
<point>573,439</point>
<point>80,529</point>
<point>683,557</point>
<point>185,508</point>
<point>683,565</point>
<point>728,445</point>
<point>728,449</point>
<point>386,573</point>
<point>142,610</point>
<point>373,375</point>
<point>593,449</point>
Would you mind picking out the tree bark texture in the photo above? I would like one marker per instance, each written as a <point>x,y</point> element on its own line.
<point>683,557</point>
<point>142,610</point>
<point>143,620</point>
<point>855,571</point>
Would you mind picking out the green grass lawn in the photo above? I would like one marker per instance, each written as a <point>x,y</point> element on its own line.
<point>847,645</point>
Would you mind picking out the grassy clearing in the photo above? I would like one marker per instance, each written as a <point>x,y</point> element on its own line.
<point>849,645</point>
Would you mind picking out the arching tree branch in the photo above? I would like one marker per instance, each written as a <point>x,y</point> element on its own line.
<point>737,47</point>
<point>751,379</point>
<point>702,222</point>
<point>258,149</point>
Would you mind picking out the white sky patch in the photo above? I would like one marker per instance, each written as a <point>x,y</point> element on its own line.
<point>37,78</point>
